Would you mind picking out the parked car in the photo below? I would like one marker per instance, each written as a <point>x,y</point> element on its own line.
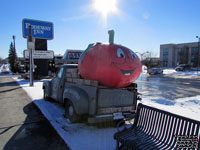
<point>183,67</point>
<point>154,71</point>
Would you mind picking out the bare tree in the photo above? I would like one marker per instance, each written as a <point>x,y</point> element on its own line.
<point>150,60</point>
<point>146,59</point>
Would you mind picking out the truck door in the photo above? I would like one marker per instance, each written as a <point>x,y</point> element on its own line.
<point>57,85</point>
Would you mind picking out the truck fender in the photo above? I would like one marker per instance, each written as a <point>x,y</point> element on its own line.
<point>47,87</point>
<point>78,97</point>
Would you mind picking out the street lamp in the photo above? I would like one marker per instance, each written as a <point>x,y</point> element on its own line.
<point>198,54</point>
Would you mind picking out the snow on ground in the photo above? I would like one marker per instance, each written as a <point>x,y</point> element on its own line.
<point>182,74</point>
<point>77,136</point>
<point>81,136</point>
<point>188,106</point>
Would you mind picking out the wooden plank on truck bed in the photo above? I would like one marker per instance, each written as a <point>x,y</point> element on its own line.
<point>85,82</point>
<point>94,83</point>
<point>79,75</point>
<point>91,82</point>
<point>69,80</point>
<point>72,70</point>
<point>68,75</point>
<point>79,81</point>
<point>72,75</point>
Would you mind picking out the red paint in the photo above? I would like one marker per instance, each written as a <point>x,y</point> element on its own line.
<point>110,64</point>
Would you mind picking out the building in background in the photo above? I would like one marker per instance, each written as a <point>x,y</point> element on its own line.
<point>71,56</point>
<point>172,55</point>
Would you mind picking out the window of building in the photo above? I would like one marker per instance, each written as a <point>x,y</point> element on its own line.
<point>165,57</point>
<point>165,50</point>
<point>165,63</point>
<point>180,50</point>
<point>194,50</point>
<point>194,56</point>
<point>179,57</point>
<point>194,63</point>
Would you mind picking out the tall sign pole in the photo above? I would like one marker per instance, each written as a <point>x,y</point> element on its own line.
<point>31,46</point>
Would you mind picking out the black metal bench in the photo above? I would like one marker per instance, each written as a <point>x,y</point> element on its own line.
<point>155,129</point>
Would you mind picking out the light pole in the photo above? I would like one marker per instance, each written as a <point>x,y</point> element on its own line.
<point>198,54</point>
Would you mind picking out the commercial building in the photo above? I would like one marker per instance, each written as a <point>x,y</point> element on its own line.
<point>172,55</point>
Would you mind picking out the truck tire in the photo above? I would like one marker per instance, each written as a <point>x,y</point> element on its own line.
<point>46,98</point>
<point>70,112</point>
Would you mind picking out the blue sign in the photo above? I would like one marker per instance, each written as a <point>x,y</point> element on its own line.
<point>40,29</point>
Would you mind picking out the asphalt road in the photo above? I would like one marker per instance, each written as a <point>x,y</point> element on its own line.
<point>169,87</point>
<point>22,126</point>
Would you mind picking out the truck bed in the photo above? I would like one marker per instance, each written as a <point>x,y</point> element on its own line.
<point>107,100</point>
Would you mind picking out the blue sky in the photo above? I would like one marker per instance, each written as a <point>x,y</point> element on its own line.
<point>141,25</point>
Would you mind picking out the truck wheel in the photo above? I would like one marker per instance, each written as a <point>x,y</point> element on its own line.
<point>46,98</point>
<point>70,112</point>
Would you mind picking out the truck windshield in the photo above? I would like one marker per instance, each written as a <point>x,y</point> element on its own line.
<point>60,72</point>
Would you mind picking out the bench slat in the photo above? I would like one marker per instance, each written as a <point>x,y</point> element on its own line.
<point>171,130</point>
<point>157,128</point>
<point>152,118</point>
<point>163,142</point>
<point>197,130</point>
<point>147,124</point>
<point>154,121</point>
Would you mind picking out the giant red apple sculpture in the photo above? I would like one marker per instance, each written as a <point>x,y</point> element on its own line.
<point>110,64</point>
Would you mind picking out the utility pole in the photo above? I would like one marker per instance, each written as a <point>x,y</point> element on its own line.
<point>31,46</point>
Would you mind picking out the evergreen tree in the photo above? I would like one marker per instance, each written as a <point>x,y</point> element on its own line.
<point>1,61</point>
<point>12,59</point>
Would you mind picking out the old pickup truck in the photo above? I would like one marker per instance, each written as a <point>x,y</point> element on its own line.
<point>88,99</point>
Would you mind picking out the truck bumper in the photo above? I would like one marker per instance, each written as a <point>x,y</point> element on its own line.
<point>109,117</point>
